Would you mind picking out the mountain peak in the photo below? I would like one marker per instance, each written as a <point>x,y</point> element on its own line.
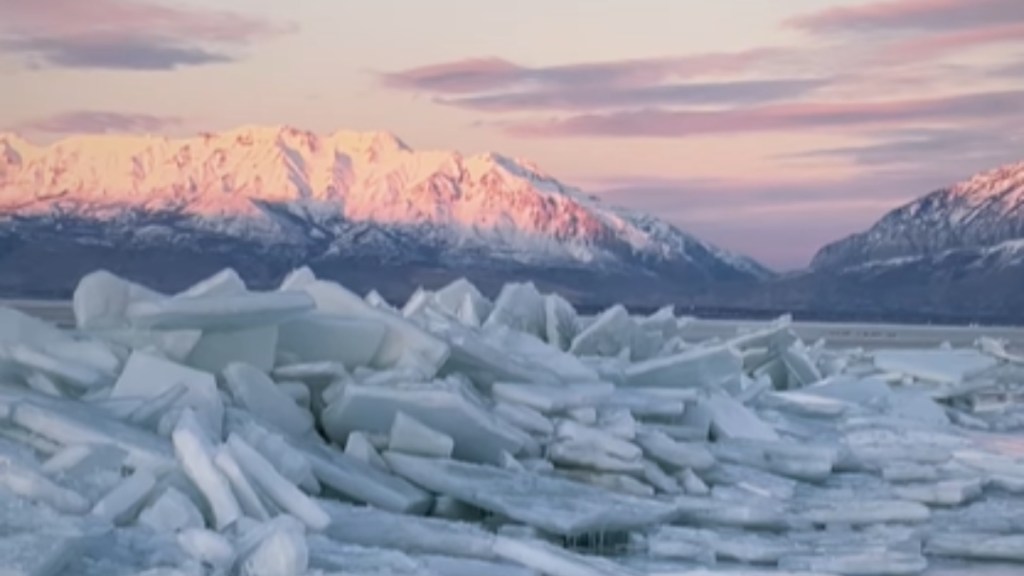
<point>981,211</point>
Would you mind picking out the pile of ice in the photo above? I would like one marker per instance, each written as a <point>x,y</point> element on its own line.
<point>309,430</point>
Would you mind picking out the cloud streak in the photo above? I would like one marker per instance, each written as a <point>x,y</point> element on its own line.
<point>478,75</point>
<point>782,117</point>
<point>706,93</point>
<point>123,34</point>
<point>97,122</point>
<point>920,15</point>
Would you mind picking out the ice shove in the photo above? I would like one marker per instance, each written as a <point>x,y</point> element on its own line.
<point>551,504</point>
<point>448,406</point>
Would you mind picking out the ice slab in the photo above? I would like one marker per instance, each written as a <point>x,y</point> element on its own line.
<point>207,547</point>
<point>216,349</point>
<point>21,477</point>
<point>101,300</point>
<point>146,377</point>
<point>410,436</point>
<point>363,482</point>
<point>587,455</point>
<point>73,372</point>
<point>257,393</point>
<point>39,553</point>
<point>707,367</point>
<point>553,561</point>
<point>942,493</point>
<point>248,499</point>
<point>565,367</point>
<point>322,337</point>
<point>219,312</point>
<point>724,545</point>
<point>520,307</point>
<point>404,341</point>
<point>607,335</point>
<point>282,492</point>
<point>172,511</point>
<point>525,418</point>
<point>549,399</point>
<point>866,511</point>
<point>730,419</point>
<point>121,503</point>
<point>195,454</point>
<point>69,423</point>
<point>976,546</point>
<point>281,550</point>
<point>337,559</point>
<point>868,563</point>
<point>561,322</point>
<point>663,449</point>
<point>448,566</point>
<point>448,406</point>
<point>453,297</point>
<point>376,528</point>
<point>601,439</point>
<point>940,366</point>
<point>554,505</point>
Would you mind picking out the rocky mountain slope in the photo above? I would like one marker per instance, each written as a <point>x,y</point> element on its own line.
<point>261,199</point>
<point>954,254</point>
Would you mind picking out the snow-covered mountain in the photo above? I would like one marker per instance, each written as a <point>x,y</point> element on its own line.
<point>976,214</point>
<point>955,254</point>
<point>288,195</point>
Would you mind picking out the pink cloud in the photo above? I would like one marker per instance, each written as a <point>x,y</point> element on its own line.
<point>782,117</point>
<point>930,47</point>
<point>127,34</point>
<point>94,122</point>
<point>913,15</point>
<point>488,74</point>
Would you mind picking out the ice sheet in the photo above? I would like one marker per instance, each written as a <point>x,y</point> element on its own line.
<point>551,504</point>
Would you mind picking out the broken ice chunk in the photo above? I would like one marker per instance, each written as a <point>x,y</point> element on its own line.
<point>454,297</point>
<point>873,563</point>
<point>146,377</point>
<point>940,366</point>
<point>207,547</point>
<point>659,447</point>
<point>279,489</point>
<point>227,282</point>
<point>944,493</point>
<point>380,529</point>
<point>554,561</point>
<point>561,322</point>
<point>217,349</point>
<point>608,443</point>
<point>549,399</point>
<point>101,300</point>
<point>411,436</point>
<point>255,391</point>
<point>448,406</point>
<point>281,551</point>
<point>552,504</point>
<point>607,335</point>
<point>39,553</point>
<point>525,418</point>
<point>520,307</point>
<point>219,312</point>
<point>248,500</point>
<point>120,503</point>
<point>977,546</point>
<point>322,337</point>
<point>730,419</point>
<point>172,511</point>
<point>67,370</point>
<point>359,447</point>
<point>590,455</point>
<point>709,367</point>
<point>195,454</point>
<point>611,481</point>
<point>866,511</point>
<point>22,479</point>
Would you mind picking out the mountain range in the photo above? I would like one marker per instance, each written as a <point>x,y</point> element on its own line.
<point>366,209</point>
<point>360,207</point>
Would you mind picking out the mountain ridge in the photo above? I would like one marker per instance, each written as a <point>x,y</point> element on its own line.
<point>344,195</point>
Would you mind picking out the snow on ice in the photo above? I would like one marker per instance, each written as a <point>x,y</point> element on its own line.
<point>309,430</point>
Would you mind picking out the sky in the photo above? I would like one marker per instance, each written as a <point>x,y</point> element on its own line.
<point>769,127</point>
